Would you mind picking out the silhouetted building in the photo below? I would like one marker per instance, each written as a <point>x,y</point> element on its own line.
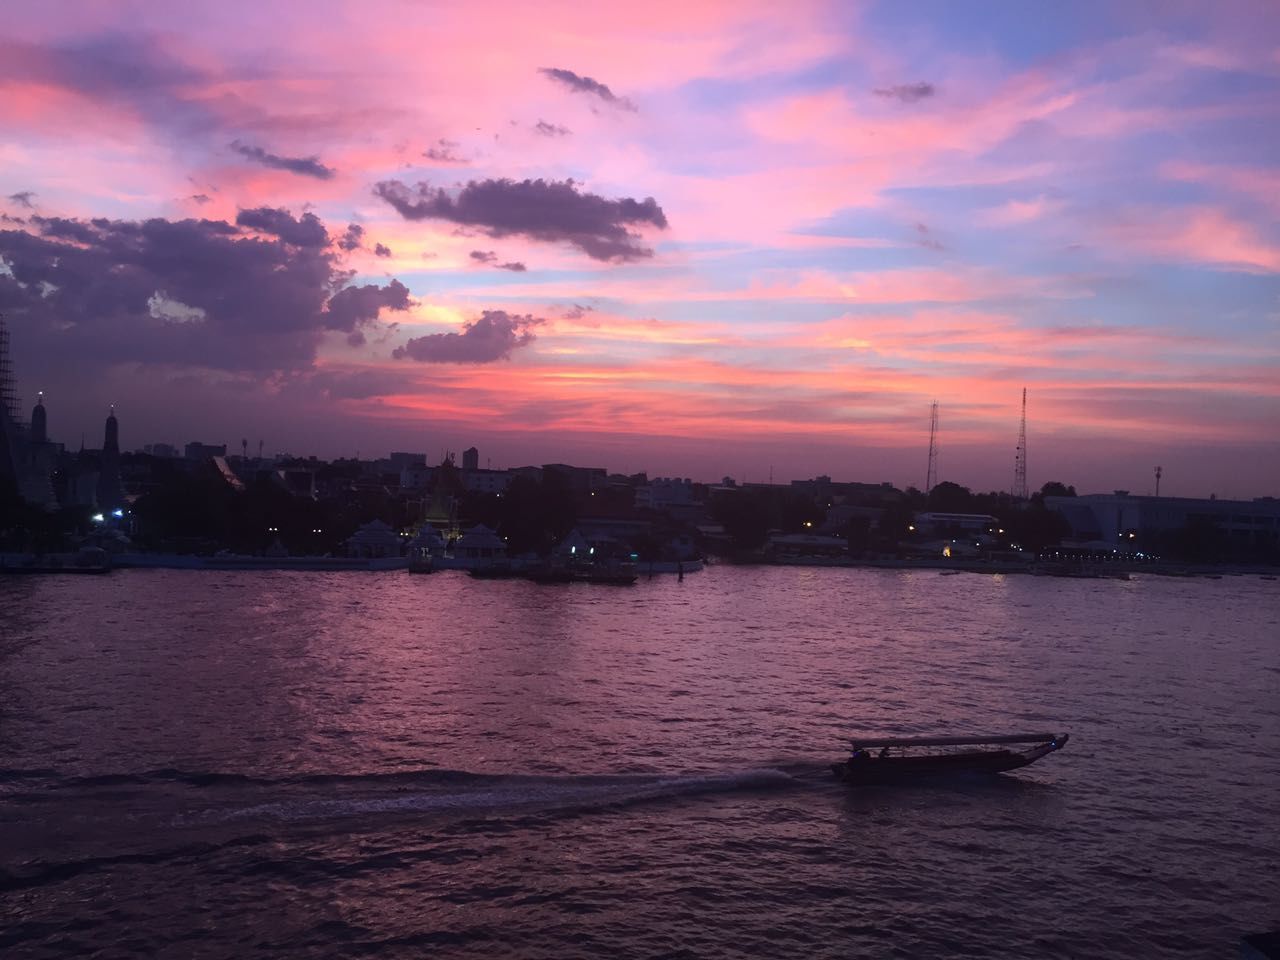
<point>663,492</point>
<point>28,459</point>
<point>298,481</point>
<point>529,473</point>
<point>415,477</point>
<point>936,522</point>
<point>580,480</point>
<point>35,461</point>
<point>81,483</point>
<point>39,421</point>
<point>479,547</point>
<point>485,481</point>
<point>110,491</point>
<point>399,462</point>
<point>1121,520</point>
<point>471,459</point>
<point>375,539</point>
<point>204,451</point>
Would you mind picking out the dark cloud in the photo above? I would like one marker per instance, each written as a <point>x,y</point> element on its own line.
<point>381,250</point>
<point>305,166</point>
<point>60,228</point>
<point>353,237</point>
<point>906,92</point>
<point>577,312</point>
<point>306,231</point>
<point>200,198</point>
<point>352,384</point>
<point>550,211</point>
<point>490,338</point>
<point>23,198</point>
<point>256,296</point>
<point>491,259</point>
<point>926,238</point>
<point>353,307</point>
<point>444,151</point>
<point>587,85</point>
<point>551,129</point>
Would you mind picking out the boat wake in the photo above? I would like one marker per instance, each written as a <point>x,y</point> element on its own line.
<point>212,806</point>
<point>64,827</point>
<point>460,793</point>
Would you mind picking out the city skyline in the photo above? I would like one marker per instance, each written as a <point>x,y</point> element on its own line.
<point>701,241</point>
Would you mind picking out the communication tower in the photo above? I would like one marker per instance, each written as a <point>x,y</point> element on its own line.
<point>1020,458</point>
<point>931,478</point>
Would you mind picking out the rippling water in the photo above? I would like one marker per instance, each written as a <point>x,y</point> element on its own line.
<point>257,764</point>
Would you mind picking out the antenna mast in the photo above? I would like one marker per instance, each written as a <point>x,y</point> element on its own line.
<point>1020,459</point>
<point>931,478</point>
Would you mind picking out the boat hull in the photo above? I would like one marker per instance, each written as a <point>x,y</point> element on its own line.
<point>870,770</point>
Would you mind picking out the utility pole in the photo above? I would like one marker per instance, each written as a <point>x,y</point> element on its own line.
<point>1159,470</point>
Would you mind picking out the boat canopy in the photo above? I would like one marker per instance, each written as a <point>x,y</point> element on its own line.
<point>973,739</point>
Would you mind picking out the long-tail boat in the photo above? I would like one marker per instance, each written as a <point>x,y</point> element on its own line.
<point>899,759</point>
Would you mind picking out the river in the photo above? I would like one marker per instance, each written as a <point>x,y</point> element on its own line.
<point>262,764</point>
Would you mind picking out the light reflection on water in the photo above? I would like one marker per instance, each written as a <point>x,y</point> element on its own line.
<point>640,770</point>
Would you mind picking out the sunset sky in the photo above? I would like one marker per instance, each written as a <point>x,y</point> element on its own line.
<point>691,238</point>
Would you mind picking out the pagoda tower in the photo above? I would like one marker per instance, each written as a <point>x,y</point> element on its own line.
<point>110,492</point>
<point>35,467</point>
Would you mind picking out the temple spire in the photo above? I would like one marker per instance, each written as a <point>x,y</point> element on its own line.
<point>39,421</point>
<point>110,492</point>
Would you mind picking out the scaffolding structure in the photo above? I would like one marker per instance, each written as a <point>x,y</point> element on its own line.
<point>8,395</point>
<point>10,417</point>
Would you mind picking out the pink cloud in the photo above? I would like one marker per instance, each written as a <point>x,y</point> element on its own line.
<point>1257,183</point>
<point>1203,235</point>
<point>1017,212</point>
<point>909,285</point>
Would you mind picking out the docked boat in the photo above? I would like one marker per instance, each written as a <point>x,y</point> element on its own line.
<point>903,759</point>
<point>422,562</point>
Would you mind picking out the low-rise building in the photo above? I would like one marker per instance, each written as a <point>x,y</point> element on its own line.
<point>968,522</point>
<point>375,539</point>
<point>1119,519</point>
<point>485,481</point>
<point>661,493</point>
